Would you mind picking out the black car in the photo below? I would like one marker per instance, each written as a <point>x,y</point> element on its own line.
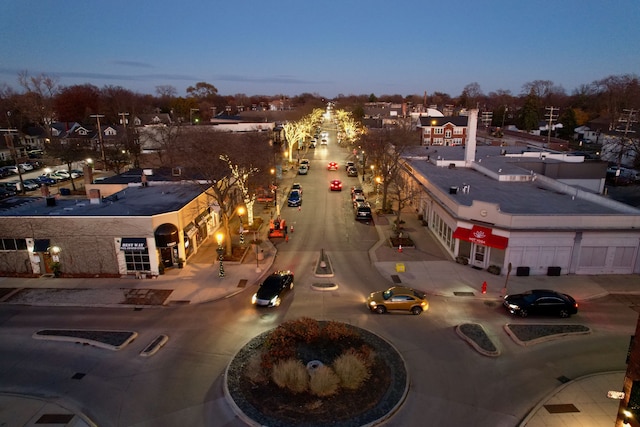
<point>295,198</point>
<point>363,211</point>
<point>273,289</point>
<point>541,302</point>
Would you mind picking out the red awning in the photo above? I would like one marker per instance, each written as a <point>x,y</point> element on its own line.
<point>482,236</point>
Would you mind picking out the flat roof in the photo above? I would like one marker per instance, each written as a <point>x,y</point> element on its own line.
<point>132,201</point>
<point>513,197</point>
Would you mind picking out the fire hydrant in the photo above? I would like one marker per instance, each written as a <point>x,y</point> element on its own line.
<point>484,287</point>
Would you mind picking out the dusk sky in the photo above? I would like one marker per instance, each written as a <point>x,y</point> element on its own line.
<point>322,47</point>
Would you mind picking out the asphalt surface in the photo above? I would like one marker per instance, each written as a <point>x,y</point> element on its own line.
<point>426,267</point>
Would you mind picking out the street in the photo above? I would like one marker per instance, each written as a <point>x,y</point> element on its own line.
<point>451,384</point>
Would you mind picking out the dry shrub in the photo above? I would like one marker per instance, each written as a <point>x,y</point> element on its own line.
<point>351,369</point>
<point>290,374</point>
<point>324,382</point>
<point>337,331</point>
<point>254,371</point>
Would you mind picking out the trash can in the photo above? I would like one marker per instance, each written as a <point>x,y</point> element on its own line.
<point>553,271</point>
<point>65,192</point>
<point>522,271</point>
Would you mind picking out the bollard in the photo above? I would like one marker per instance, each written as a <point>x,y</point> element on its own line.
<point>484,287</point>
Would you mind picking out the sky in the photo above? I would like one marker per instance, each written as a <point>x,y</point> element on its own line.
<point>328,48</point>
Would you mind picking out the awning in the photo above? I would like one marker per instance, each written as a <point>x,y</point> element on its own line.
<point>202,218</point>
<point>190,230</point>
<point>41,245</point>
<point>482,236</point>
<point>166,236</point>
<point>133,244</point>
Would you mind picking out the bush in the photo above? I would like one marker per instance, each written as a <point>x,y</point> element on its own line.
<point>351,370</point>
<point>253,369</point>
<point>291,374</point>
<point>324,382</point>
<point>462,260</point>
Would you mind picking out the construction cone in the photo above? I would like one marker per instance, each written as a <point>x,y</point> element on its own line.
<point>299,208</point>
<point>400,249</point>
<point>484,287</point>
<point>291,227</point>
<point>286,239</point>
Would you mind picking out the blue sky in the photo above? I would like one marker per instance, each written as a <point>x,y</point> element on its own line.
<point>326,47</point>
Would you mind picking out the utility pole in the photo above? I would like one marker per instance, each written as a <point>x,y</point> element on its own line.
<point>631,118</point>
<point>551,119</point>
<point>104,157</point>
<point>124,121</point>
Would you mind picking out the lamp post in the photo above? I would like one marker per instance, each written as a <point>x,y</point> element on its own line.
<point>240,213</point>
<point>220,250</point>
<point>191,111</point>
<point>364,163</point>
<point>275,191</point>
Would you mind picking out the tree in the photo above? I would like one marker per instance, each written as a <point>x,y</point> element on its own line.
<point>76,103</point>
<point>69,151</point>
<point>529,114</point>
<point>471,95</point>
<point>37,102</point>
<point>202,90</point>
<point>224,164</point>
<point>384,148</point>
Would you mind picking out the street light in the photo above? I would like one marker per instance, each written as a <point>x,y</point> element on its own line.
<point>220,250</point>
<point>275,191</point>
<point>240,213</point>
<point>191,111</point>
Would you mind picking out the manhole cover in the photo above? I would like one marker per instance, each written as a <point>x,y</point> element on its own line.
<point>463,294</point>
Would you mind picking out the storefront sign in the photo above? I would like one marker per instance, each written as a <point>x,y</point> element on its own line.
<point>133,244</point>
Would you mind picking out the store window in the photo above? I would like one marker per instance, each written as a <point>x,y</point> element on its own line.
<point>136,254</point>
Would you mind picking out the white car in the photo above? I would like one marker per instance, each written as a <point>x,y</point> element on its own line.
<point>303,170</point>
<point>26,166</point>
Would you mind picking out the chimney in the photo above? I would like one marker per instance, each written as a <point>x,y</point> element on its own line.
<point>88,174</point>
<point>94,196</point>
<point>472,127</point>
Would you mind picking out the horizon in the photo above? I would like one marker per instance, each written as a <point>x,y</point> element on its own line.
<point>329,49</point>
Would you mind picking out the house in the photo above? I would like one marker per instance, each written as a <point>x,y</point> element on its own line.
<point>443,131</point>
<point>533,212</point>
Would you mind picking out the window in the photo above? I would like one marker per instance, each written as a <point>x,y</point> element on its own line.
<point>438,131</point>
<point>457,131</point>
<point>137,260</point>
<point>13,245</point>
<point>447,134</point>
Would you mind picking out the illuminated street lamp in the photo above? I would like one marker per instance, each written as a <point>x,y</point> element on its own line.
<point>220,250</point>
<point>275,191</point>
<point>364,163</point>
<point>378,181</point>
<point>240,213</point>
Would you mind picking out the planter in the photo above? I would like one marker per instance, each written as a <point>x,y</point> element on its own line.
<point>462,260</point>
<point>494,269</point>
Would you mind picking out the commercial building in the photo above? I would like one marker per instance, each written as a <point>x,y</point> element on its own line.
<point>537,211</point>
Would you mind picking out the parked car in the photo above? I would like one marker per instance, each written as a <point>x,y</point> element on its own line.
<point>306,163</point>
<point>295,198</point>
<point>348,165</point>
<point>332,166</point>
<point>335,185</point>
<point>54,176</point>
<point>4,193</point>
<point>363,211</point>
<point>398,298</point>
<point>303,170</point>
<point>63,173</point>
<point>323,141</point>
<point>541,302</point>
<point>26,166</point>
<point>355,191</point>
<point>13,169</point>
<point>296,186</point>
<point>45,180</point>
<point>358,198</point>
<point>273,289</point>
<point>31,184</point>
<point>352,171</point>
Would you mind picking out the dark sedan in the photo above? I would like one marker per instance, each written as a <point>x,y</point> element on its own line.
<point>273,289</point>
<point>541,302</point>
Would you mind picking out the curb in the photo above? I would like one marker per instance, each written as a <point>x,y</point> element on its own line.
<point>473,344</point>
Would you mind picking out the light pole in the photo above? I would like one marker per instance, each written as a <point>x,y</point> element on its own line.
<point>240,213</point>
<point>275,191</point>
<point>364,163</point>
<point>191,111</point>
<point>378,181</point>
<point>220,250</point>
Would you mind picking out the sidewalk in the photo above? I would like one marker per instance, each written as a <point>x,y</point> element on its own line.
<point>426,267</point>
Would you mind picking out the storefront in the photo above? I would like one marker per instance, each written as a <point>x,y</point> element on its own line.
<point>167,239</point>
<point>476,243</point>
<point>136,254</point>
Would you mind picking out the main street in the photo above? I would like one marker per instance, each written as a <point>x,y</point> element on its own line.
<point>451,384</point>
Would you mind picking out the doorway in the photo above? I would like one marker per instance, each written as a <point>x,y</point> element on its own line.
<point>479,256</point>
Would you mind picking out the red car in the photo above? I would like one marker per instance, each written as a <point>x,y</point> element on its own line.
<point>333,166</point>
<point>336,185</point>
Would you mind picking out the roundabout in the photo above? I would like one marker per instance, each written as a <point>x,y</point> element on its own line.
<point>294,375</point>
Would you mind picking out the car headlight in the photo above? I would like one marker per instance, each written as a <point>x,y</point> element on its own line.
<point>273,301</point>
<point>372,303</point>
<point>254,298</point>
<point>513,306</point>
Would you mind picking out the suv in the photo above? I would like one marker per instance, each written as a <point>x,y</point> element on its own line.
<point>363,211</point>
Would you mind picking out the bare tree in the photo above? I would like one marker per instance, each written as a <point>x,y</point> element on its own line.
<point>37,102</point>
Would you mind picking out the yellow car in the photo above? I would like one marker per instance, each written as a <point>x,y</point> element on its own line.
<point>398,298</point>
